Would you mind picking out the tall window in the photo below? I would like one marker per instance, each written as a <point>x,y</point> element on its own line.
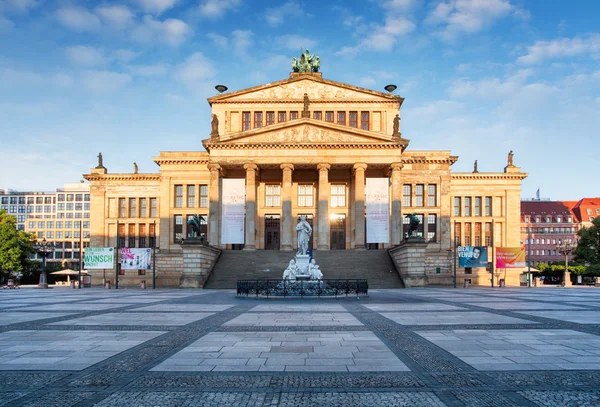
<point>364,120</point>
<point>273,195</point>
<point>281,117</point>
<point>305,195</point>
<point>488,233</point>
<point>341,118</point>
<point>293,115</point>
<point>406,195</point>
<point>431,227</point>
<point>258,120</point>
<point>245,121</point>
<point>121,240</point>
<point>431,195</point>
<point>178,229</point>
<point>152,235</point>
<point>143,212</point>
<point>142,235</point>
<point>153,207</point>
<point>132,208</point>
<point>477,206</point>
<point>270,118</point>
<point>122,208</point>
<point>179,196</point>
<point>478,234</point>
<point>131,235</point>
<point>204,196</point>
<point>419,195</point>
<point>488,207</point>
<point>191,196</point>
<point>329,117</point>
<point>318,115</point>
<point>338,195</point>
<point>467,234</point>
<point>353,119</point>
<point>467,211</point>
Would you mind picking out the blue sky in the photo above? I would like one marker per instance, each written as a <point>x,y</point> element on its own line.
<point>130,78</point>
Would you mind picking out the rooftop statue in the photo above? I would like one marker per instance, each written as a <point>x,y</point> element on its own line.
<point>307,63</point>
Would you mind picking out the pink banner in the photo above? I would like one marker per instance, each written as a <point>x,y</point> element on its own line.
<point>510,257</point>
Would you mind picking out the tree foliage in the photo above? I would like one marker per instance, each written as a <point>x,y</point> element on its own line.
<point>588,248</point>
<point>15,246</point>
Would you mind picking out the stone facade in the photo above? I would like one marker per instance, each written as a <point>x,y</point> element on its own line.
<point>304,146</point>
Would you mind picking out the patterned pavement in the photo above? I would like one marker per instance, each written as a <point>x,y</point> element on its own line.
<point>417,347</point>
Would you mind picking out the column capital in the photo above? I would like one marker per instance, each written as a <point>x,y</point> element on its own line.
<point>359,166</point>
<point>287,167</point>
<point>250,167</point>
<point>214,167</point>
<point>323,166</point>
<point>396,166</point>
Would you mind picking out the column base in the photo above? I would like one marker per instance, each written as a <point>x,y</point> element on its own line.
<point>322,247</point>
<point>286,248</point>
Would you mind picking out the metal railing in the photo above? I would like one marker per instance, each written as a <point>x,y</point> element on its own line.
<point>302,288</point>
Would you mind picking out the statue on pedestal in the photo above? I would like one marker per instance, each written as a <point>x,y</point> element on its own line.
<point>135,168</point>
<point>414,224</point>
<point>314,271</point>
<point>510,159</point>
<point>475,167</point>
<point>304,231</point>
<point>100,164</point>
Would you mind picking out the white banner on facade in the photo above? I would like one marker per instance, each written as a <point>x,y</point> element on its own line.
<point>136,259</point>
<point>378,210</point>
<point>233,204</point>
<point>99,258</point>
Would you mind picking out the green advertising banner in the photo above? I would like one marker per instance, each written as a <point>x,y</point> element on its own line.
<point>99,258</point>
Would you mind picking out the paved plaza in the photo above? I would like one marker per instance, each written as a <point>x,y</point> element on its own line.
<point>414,347</point>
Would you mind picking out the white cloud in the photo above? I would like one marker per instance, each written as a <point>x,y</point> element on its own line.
<point>174,98</point>
<point>78,19</point>
<point>104,81</point>
<point>124,55</point>
<point>217,8</point>
<point>241,41</point>
<point>171,31</point>
<point>401,5</point>
<point>294,42</point>
<point>489,88</point>
<point>218,40</point>
<point>459,17</point>
<point>149,70</point>
<point>367,82</point>
<point>62,79</point>
<point>18,6</point>
<point>117,16</point>
<point>196,68</point>
<point>156,6</point>
<point>276,16</point>
<point>383,38</point>
<point>85,56</point>
<point>18,77</point>
<point>561,48</point>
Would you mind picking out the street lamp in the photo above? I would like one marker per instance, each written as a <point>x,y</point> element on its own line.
<point>566,249</point>
<point>44,249</point>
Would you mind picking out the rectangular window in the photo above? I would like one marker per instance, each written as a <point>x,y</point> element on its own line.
<point>153,207</point>
<point>76,234</point>
<point>258,120</point>
<point>59,235</point>
<point>122,208</point>
<point>305,195</point>
<point>477,206</point>
<point>353,119</point>
<point>40,225</point>
<point>191,196</point>
<point>467,234</point>
<point>50,235</point>
<point>61,198</point>
<point>293,115</point>
<point>270,118</point>
<point>431,227</point>
<point>69,206</point>
<point>364,120</point>
<point>47,200</point>
<point>488,207</point>
<point>77,224</point>
<point>40,200</point>
<point>131,235</point>
<point>329,117</point>
<point>132,208</point>
<point>341,118</point>
<point>338,195</point>
<point>178,229</point>
<point>79,197</point>
<point>273,195</point>
<point>142,236</point>
<point>86,197</point>
<point>467,211</point>
<point>406,195</point>
<point>68,224</point>
<point>478,234</point>
<point>59,224</point>
<point>121,240</point>
<point>488,233</point>
<point>179,196</point>
<point>60,206</point>
<point>431,195</point>
<point>245,121</point>
<point>281,117</point>
<point>318,115</point>
<point>152,234</point>
<point>204,196</point>
<point>86,224</point>
<point>143,212</point>
<point>70,197</point>
<point>78,206</point>
<point>419,195</point>
<point>86,206</point>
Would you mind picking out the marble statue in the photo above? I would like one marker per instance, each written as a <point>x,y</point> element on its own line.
<point>100,165</point>
<point>314,271</point>
<point>475,167</point>
<point>304,231</point>
<point>214,126</point>
<point>135,168</point>
<point>396,132</point>
<point>510,158</point>
<point>290,272</point>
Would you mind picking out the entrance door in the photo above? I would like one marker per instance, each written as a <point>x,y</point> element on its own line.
<point>272,232</point>
<point>337,227</point>
<point>309,219</point>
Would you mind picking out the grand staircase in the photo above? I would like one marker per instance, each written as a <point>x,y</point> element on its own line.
<point>374,265</point>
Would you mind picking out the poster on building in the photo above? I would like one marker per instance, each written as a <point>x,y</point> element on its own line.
<point>378,210</point>
<point>99,258</point>
<point>510,257</point>
<point>136,259</point>
<point>472,256</point>
<point>233,205</point>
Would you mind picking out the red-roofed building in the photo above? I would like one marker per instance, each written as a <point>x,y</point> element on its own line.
<point>586,210</point>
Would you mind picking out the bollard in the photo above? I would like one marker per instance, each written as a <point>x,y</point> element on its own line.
<point>143,285</point>
<point>107,285</point>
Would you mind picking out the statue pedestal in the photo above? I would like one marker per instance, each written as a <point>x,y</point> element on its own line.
<point>302,262</point>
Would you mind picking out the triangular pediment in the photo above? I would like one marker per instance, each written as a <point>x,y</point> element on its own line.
<point>307,131</point>
<point>294,88</point>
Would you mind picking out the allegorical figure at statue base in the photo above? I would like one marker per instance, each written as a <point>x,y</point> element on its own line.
<point>302,268</point>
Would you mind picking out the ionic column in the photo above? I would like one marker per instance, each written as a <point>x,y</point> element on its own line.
<point>213,204</point>
<point>287,221</point>
<point>250,239</point>
<point>323,208</point>
<point>359,205</point>
<point>396,226</point>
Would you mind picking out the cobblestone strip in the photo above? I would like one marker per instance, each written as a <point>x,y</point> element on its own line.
<point>295,328</point>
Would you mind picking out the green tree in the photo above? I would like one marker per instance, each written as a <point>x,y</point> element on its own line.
<point>588,248</point>
<point>15,246</point>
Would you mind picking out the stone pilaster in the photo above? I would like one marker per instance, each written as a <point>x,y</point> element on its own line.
<point>165,221</point>
<point>213,204</point>
<point>323,208</point>
<point>250,240</point>
<point>396,226</point>
<point>359,205</point>
<point>286,193</point>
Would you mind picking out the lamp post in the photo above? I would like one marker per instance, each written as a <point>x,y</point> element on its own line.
<point>44,249</point>
<point>528,256</point>
<point>566,249</point>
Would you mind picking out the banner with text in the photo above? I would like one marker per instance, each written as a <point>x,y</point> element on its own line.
<point>99,258</point>
<point>378,210</point>
<point>233,204</point>
<point>510,257</point>
<point>472,256</point>
<point>136,259</point>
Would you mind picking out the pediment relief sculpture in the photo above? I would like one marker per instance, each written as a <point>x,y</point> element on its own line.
<point>305,134</point>
<point>296,90</point>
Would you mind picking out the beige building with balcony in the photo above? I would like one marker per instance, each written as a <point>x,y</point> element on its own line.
<point>306,145</point>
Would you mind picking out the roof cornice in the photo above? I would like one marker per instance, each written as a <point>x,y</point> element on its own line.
<point>489,175</point>
<point>122,177</point>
